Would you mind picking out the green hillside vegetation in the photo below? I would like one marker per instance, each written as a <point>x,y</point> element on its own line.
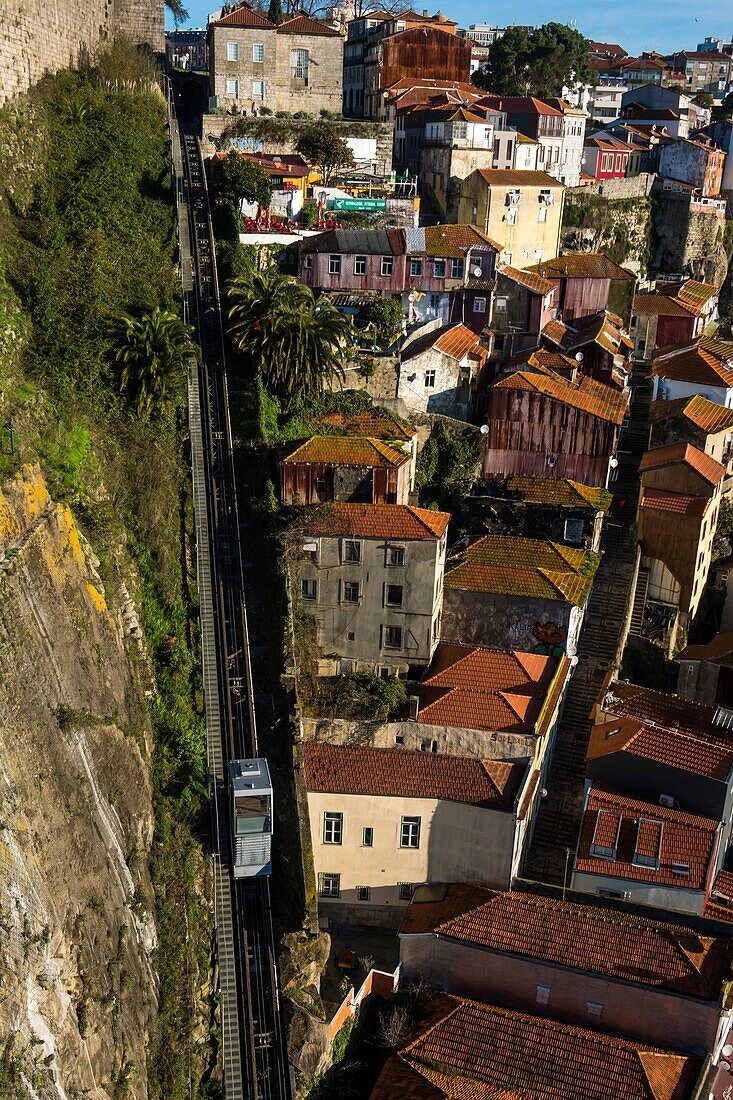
<point>87,237</point>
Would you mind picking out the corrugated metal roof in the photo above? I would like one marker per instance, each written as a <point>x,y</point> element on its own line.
<point>365,242</point>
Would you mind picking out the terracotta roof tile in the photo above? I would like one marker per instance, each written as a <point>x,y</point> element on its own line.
<point>529,279</point>
<point>452,241</point>
<point>695,294</point>
<point>719,905</point>
<point>374,425</point>
<point>542,359</point>
<point>397,773</point>
<point>244,16</point>
<point>345,450</point>
<point>708,469</point>
<point>682,844</point>
<point>587,395</point>
<point>560,491</point>
<point>582,265</point>
<point>401,522</point>
<point>660,305</point>
<point>523,567</point>
<point>482,1052</point>
<point>706,362</point>
<point>509,177</point>
<point>658,500</point>
<point>588,937</point>
<point>303,25</point>
<point>707,415</point>
<point>474,688</point>
<point>458,341</point>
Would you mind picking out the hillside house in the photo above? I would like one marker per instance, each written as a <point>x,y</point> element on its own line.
<point>481,1050</point>
<point>546,424</point>
<point>674,312</point>
<point>379,425</point>
<point>703,366</point>
<point>254,64</point>
<point>588,284</point>
<point>676,523</point>
<point>384,821</point>
<point>585,961</point>
<point>350,469</point>
<point>440,371</point>
<point>371,577</point>
<point>696,420</point>
<point>521,591</point>
<point>606,157</point>
<point>697,163</point>
<point>646,853</point>
<point>706,672</point>
<point>521,211</point>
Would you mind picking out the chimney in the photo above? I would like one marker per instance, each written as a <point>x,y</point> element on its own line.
<point>425,13</point>
<point>414,707</point>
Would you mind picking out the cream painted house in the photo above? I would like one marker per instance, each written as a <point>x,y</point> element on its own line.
<point>383,821</point>
<point>521,211</point>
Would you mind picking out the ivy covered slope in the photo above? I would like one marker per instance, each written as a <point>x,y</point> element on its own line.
<point>87,239</point>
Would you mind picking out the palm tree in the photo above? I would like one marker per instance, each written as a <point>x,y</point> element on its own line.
<point>153,352</point>
<point>296,343</point>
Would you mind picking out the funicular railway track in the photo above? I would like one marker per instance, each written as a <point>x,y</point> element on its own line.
<point>254,1057</point>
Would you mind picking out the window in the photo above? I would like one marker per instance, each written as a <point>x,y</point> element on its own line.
<point>330,886</point>
<point>407,889</point>
<point>542,996</point>
<point>594,1008</point>
<point>511,216</point>
<point>386,265</point>
<point>352,551</point>
<point>456,269</point>
<point>334,265</point>
<point>396,555</point>
<point>501,303</point>
<point>394,595</point>
<point>479,305</point>
<point>351,636</point>
<point>308,263</point>
<point>415,268</point>
<point>439,269</point>
<point>351,591</point>
<point>232,51</point>
<point>680,869</point>
<point>363,893</point>
<point>393,637</point>
<point>258,89</point>
<point>309,589</point>
<point>542,214</point>
<point>429,379</point>
<point>360,265</point>
<point>367,837</point>
<point>333,827</point>
<point>299,65</point>
<point>232,86</point>
<point>258,53</point>
<point>410,832</point>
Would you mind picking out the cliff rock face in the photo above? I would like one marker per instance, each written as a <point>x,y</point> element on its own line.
<point>76,986</point>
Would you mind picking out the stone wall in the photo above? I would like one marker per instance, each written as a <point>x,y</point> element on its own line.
<point>37,37</point>
<point>689,239</point>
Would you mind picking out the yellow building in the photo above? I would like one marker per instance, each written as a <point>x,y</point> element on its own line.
<point>522,211</point>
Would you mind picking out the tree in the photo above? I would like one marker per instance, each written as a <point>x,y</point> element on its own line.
<point>296,343</point>
<point>725,110</point>
<point>177,10</point>
<point>321,144</point>
<point>384,316</point>
<point>235,178</point>
<point>275,12</point>
<point>704,99</point>
<point>153,352</point>
<point>538,62</point>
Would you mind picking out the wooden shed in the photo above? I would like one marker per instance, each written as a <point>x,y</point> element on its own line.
<point>344,468</point>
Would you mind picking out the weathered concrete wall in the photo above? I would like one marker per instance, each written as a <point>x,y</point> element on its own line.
<point>635,187</point>
<point>419,736</point>
<point>37,37</point>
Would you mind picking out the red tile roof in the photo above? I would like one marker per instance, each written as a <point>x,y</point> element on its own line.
<point>244,16</point>
<point>345,450</point>
<point>373,425</point>
<point>676,453</point>
<point>484,689</point>
<point>587,395</point>
<point>560,491</point>
<point>658,500</point>
<point>529,279</point>
<point>510,177</point>
<point>584,937</point>
<point>471,1051</point>
<point>397,773</point>
<point>401,522</point>
<point>705,362</point>
<point>523,567</point>
<point>683,299</point>
<point>518,104</point>
<point>303,25</point>
<point>450,241</point>
<point>660,305</point>
<point>667,729</point>
<point>582,265</point>
<point>720,646</point>
<point>682,844</point>
<point>707,415</point>
<point>719,905</point>
<point>274,164</point>
<point>455,341</point>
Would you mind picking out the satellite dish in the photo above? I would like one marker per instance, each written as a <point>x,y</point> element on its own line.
<point>727,1050</point>
<point>484,429</point>
<point>477,272</point>
<point>579,357</point>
